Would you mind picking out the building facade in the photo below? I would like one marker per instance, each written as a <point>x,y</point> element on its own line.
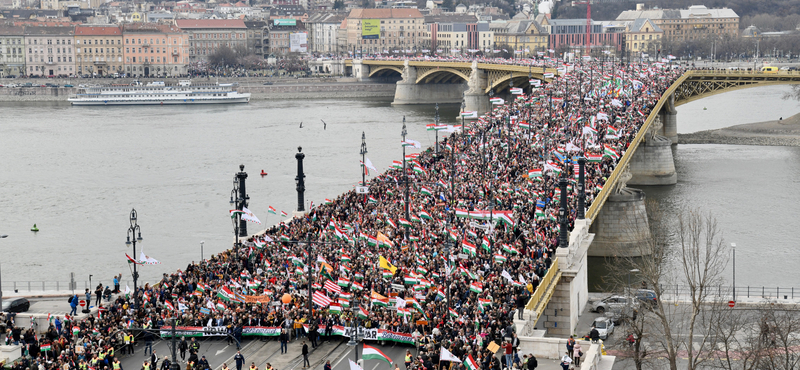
<point>570,35</point>
<point>49,51</point>
<point>155,50</point>
<point>643,36</point>
<point>208,35</point>
<point>280,36</point>
<point>257,37</point>
<point>394,29</point>
<point>524,37</point>
<point>322,30</point>
<point>12,51</point>
<point>98,50</point>
<point>693,23</point>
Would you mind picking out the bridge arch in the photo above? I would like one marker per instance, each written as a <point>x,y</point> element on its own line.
<point>441,75</point>
<point>500,82</point>
<point>697,85</point>
<point>385,71</point>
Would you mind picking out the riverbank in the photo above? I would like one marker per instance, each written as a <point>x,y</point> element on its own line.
<point>289,89</point>
<point>785,132</point>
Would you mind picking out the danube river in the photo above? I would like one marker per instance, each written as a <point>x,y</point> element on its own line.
<point>77,172</point>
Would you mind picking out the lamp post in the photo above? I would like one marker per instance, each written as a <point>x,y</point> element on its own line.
<point>134,235</point>
<point>354,338</point>
<point>463,109</point>
<point>562,235</point>
<point>1,277</point>
<point>363,158</point>
<point>201,250</point>
<point>581,188</point>
<point>239,200</point>
<point>436,127</point>
<point>300,179</point>
<point>405,174</point>
<point>630,301</point>
<point>733,246</point>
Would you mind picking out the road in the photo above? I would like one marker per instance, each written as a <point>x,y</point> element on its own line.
<point>259,351</point>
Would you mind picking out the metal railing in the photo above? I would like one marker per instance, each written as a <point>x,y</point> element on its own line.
<point>28,286</point>
<point>726,292</point>
<point>543,285</point>
<point>611,183</point>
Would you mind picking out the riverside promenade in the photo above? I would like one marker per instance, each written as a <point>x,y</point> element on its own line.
<point>285,88</point>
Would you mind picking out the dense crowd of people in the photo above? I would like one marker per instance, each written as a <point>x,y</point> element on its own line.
<point>480,234</point>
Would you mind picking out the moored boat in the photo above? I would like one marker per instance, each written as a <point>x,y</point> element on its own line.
<point>159,93</point>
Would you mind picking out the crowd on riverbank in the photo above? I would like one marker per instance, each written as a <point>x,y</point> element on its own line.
<point>489,195</point>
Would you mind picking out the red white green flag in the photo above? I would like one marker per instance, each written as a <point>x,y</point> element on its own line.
<point>372,353</point>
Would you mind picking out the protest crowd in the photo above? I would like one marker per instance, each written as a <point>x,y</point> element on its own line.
<point>490,195</point>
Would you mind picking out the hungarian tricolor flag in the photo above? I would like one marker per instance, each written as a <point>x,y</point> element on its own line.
<point>453,313</point>
<point>45,347</point>
<point>361,313</point>
<point>470,362</point>
<point>476,287</point>
<point>131,260</point>
<point>403,222</point>
<point>272,210</point>
<point>372,353</point>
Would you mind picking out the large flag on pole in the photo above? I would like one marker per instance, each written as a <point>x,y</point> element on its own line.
<point>249,216</point>
<point>354,366</point>
<point>372,353</point>
<point>369,164</point>
<point>445,355</point>
<point>147,260</point>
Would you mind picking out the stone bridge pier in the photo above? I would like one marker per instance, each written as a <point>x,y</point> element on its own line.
<point>409,91</point>
<point>622,228</point>
<point>669,120</point>
<point>652,163</point>
<point>475,97</point>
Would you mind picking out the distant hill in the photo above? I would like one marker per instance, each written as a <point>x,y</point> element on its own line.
<point>777,15</point>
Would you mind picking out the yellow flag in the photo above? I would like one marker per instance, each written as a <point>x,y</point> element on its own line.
<point>385,264</point>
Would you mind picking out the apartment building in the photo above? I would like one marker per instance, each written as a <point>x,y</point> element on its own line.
<point>98,50</point>
<point>208,35</point>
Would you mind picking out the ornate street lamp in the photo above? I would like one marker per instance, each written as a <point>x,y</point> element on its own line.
<point>134,236</point>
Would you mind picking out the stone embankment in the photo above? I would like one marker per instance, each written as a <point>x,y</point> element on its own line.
<point>784,132</point>
<point>312,88</point>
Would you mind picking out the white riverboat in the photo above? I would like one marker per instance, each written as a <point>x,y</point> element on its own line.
<point>159,93</point>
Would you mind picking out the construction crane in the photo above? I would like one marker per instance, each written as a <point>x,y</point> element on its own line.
<point>588,23</point>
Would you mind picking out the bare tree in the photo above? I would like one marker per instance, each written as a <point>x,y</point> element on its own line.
<point>655,326</point>
<point>794,94</point>
<point>703,258</point>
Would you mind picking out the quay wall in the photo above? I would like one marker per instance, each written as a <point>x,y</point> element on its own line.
<point>259,92</point>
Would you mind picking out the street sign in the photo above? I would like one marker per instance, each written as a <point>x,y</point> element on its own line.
<point>362,190</point>
<point>82,303</point>
<point>731,304</point>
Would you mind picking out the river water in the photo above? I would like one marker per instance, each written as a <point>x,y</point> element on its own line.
<point>77,171</point>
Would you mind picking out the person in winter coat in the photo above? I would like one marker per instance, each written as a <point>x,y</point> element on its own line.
<point>576,354</point>
<point>74,305</point>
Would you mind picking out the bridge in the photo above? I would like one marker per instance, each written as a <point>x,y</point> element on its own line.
<point>617,218</point>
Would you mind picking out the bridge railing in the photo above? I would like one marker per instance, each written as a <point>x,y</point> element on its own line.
<point>543,285</point>
<point>611,183</point>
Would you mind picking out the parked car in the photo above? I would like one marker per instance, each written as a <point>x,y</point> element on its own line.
<point>604,326</point>
<point>647,296</point>
<point>16,305</point>
<point>68,85</point>
<point>614,302</point>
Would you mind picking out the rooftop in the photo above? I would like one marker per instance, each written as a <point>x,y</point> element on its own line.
<point>90,30</point>
<point>210,23</point>
<point>384,13</point>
